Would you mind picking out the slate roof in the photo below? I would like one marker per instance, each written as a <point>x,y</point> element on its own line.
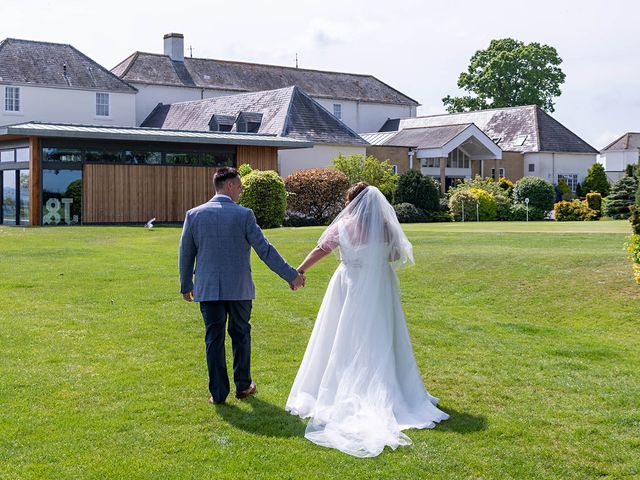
<point>628,141</point>
<point>515,129</point>
<point>150,68</point>
<point>286,112</point>
<point>25,62</point>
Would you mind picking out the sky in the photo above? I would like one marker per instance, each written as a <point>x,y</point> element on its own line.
<point>417,47</point>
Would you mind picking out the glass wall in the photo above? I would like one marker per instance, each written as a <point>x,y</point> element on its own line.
<point>9,197</point>
<point>61,197</point>
<point>23,195</point>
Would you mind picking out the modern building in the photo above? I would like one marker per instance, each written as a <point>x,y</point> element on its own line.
<point>532,143</point>
<point>287,113</point>
<point>51,82</point>
<point>618,154</point>
<point>55,174</point>
<point>362,102</point>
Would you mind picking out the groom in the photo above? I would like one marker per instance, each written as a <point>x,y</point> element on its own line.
<point>218,237</point>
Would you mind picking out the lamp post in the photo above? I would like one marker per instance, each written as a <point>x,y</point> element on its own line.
<point>463,211</point>
<point>477,210</point>
<point>526,203</point>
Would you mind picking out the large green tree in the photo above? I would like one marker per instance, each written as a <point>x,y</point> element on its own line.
<point>596,180</point>
<point>507,74</point>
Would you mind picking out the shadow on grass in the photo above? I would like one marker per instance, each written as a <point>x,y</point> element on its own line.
<point>263,419</point>
<point>462,422</point>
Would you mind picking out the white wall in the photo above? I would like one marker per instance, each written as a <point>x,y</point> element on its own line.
<point>617,161</point>
<point>550,165</point>
<point>62,105</point>
<point>365,117</point>
<point>316,157</point>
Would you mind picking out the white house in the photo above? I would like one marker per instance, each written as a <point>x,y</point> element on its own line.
<point>53,82</point>
<point>618,154</point>
<point>362,102</point>
<point>287,113</point>
<point>532,143</point>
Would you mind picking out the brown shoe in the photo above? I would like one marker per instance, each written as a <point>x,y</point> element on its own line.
<point>213,402</point>
<point>249,391</point>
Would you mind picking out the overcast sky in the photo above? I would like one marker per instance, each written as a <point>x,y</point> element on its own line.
<point>418,47</point>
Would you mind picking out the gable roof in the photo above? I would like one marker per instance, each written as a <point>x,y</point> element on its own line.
<point>628,141</point>
<point>26,62</point>
<point>150,68</point>
<point>515,129</point>
<point>287,112</point>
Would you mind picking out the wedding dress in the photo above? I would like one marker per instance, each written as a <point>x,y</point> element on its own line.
<point>358,383</point>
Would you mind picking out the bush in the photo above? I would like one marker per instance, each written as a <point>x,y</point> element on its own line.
<point>264,193</point>
<point>506,185</point>
<point>503,206</point>
<point>596,180</point>
<point>317,193</point>
<point>518,213</point>
<point>298,219</point>
<point>359,168</point>
<point>635,219</point>
<point>565,191</point>
<point>439,217</point>
<point>594,202</point>
<point>419,190</point>
<point>633,248</point>
<point>409,213</point>
<point>539,191</point>
<point>622,196</point>
<point>245,169</point>
<point>486,205</point>
<point>573,211</point>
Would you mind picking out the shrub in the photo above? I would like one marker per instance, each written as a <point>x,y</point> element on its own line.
<point>565,191</point>
<point>538,190</point>
<point>298,219</point>
<point>245,169</point>
<point>633,247</point>
<point>503,206</point>
<point>472,199</point>
<point>518,213</point>
<point>635,219</point>
<point>487,204</point>
<point>419,190</point>
<point>596,180</point>
<point>317,193</point>
<point>622,196</point>
<point>439,217</point>
<point>264,193</point>
<point>359,168</point>
<point>573,211</point>
<point>506,185</point>
<point>594,202</point>
<point>409,213</point>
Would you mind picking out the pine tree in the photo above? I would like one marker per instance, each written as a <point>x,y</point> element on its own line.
<point>596,180</point>
<point>622,196</point>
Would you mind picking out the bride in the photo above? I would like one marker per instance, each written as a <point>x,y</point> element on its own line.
<point>358,382</point>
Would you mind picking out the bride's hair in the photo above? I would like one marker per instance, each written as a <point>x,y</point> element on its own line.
<point>354,191</point>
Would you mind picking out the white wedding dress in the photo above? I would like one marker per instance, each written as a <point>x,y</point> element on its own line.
<point>358,383</point>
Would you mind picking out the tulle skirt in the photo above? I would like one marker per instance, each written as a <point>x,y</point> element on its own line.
<point>358,383</point>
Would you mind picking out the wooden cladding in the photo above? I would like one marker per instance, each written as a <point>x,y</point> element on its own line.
<point>137,193</point>
<point>35,180</point>
<point>260,158</point>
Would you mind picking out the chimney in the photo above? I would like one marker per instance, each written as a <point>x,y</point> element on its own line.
<point>174,46</point>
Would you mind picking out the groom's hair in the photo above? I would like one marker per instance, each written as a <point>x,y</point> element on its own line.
<point>222,175</point>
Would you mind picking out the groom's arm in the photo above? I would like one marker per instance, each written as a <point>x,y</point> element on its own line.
<point>267,252</point>
<point>186,257</point>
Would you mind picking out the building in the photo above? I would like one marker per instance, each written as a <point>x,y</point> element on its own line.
<point>52,82</point>
<point>618,154</point>
<point>286,112</point>
<point>362,102</point>
<point>55,174</point>
<point>532,143</point>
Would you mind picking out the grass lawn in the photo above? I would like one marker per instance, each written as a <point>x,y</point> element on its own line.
<point>529,334</point>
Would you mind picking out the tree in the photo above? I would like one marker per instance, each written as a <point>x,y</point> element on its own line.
<point>359,168</point>
<point>507,74</point>
<point>418,190</point>
<point>622,196</point>
<point>596,180</point>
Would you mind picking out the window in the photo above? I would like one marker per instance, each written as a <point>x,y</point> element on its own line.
<point>22,155</point>
<point>457,159</point>
<point>225,127</point>
<point>502,173</point>
<point>185,158</point>
<point>61,197</point>
<point>11,99</point>
<point>395,169</point>
<point>431,162</point>
<point>571,179</point>
<point>61,155</point>
<point>519,140</point>
<point>24,197</point>
<point>143,158</point>
<point>532,167</point>
<point>9,197</point>
<point>337,110</point>
<point>102,104</point>
<point>493,173</point>
<point>7,156</point>
<point>103,156</point>
<point>253,127</point>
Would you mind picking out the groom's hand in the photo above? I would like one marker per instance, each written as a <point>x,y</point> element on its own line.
<point>298,282</point>
<point>188,297</point>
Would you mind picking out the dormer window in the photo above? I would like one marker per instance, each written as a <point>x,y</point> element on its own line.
<point>248,122</point>
<point>221,123</point>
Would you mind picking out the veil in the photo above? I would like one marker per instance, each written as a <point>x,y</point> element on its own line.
<point>369,227</point>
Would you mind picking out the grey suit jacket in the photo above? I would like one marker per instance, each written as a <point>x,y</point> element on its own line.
<point>217,236</point>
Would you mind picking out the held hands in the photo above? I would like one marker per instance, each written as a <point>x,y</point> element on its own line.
<point>299,281</point>
<point>187,297</point>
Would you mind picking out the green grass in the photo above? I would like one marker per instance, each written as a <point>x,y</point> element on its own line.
<point>529,334</point>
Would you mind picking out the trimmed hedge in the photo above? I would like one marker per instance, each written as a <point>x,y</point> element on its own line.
<point>317,193</point>
<point>264,193</point>
<point>573,211</point>
<point>539,191</point>
<point>594,202</point>
<point>419,190</point>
